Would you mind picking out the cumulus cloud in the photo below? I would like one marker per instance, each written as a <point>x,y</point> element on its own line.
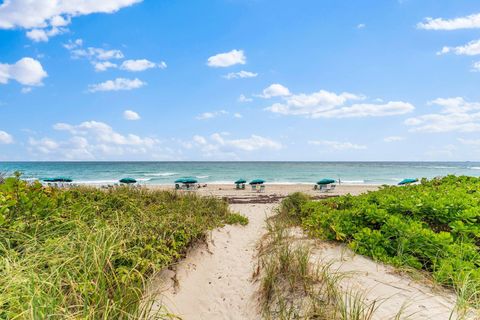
<point>141,65</point>
<point>104,66</point>
<point>237,115</point>
<point>325,104</point>
<point>455,114</point>
<point>5,138</point>
<point>210,115</point>
<point>117,85</point>
<point>393,139</point>
<point>240,75</point>
<point>93,140</point>
<point>131,115</point>
<point>361,26</point>
<point>218,143</point>
<point>26,71</point>
<point>243,98</point>
<point>46,18</point>
<point>470,49</point>
<point>467,22</point>
<point>476,67</point>
<point>275,90</point>
<point>470,142</point>
<point>337,145</point>
<point>227,59</point>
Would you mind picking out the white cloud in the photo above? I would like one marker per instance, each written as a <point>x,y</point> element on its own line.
<point>131,115</point>
<point>325,104</point>
<point>393,139</point>
<point>44,145</point>
<point>470,142</point>
<point>5,138</point>
<point>337,145</point>
<point>275,90</point>
<point>104,66</point>
<point>218,143</point>
<point>93,140</point>
<point>141,65</point>
<point>240,75</point>
<point>227,59</point>
<point>470,49</point>
<point>26,71</point>
<point>26,90</point>
<point>48,15</point>
<point>117,84</point>
<point>361,26</point>
<point>243,98</point>
<point>97,53</point>
<point>42,35</point>
<point>210,115</point>
<point>467,22</point>
<point>237,115</point>
<point>455,114</point>
<point>476,67</point>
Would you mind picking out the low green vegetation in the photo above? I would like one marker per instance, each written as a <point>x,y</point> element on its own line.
<point>85,253</point>
<point>433,227</point>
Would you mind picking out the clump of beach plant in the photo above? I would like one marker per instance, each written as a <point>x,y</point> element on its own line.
<point>86,253</point>
<point>433,227</point>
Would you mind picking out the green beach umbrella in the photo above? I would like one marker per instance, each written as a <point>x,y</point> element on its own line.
<point>326,181</point>
<point>240,181</point>
<point>186,180</point>
<point>257,181</point>
<point>407,181</point>
<point>63,179</point>
<point>128,180</point>
<point>48,179</point>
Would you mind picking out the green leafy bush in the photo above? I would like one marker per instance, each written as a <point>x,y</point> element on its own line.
<point>433,226</point>
<point>86,253</point>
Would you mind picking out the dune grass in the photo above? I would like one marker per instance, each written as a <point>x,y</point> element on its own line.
<point>293,285</point>
<point>84,253</point>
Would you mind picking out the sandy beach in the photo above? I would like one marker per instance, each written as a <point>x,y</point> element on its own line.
<point>215,280</point>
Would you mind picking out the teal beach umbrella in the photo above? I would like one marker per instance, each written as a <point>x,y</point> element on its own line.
<point>186,180</point>
<point>57,179</point>
<point>240,181</point>
<point>407,181</point>
<point>326,181</point>
<point>128,180</point>
<point>257,181</point>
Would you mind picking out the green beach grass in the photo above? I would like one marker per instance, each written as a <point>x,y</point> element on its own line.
<point>85,253</point>
<point>433,227</point>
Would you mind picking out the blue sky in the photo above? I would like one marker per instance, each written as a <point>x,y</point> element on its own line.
<point>239,80</point>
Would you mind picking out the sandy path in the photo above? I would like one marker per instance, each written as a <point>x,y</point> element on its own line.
<point>215,282</point>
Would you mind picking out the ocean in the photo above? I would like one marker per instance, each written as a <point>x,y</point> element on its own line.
<point>162,173</point>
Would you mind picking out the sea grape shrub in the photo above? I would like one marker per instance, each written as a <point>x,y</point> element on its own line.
<point>85,252</point>
<point>292,205</point>
<point>433,226</point>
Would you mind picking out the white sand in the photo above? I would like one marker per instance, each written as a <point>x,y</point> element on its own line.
<point>382,283</point>
<point>215,281</point>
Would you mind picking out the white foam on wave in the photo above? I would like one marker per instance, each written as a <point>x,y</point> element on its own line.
<point>202,177</point>
<point>95,181</point>
<point>162,174</point>
<point>475,168</point>
<point>352,181</point>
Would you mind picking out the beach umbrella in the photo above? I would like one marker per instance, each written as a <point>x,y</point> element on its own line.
<point>186,180</point>
<point>240,181</point>
<point>326,181</point>
<point>128,180</point>
<point>257,181</point>
<point>407,181</point>
<point>63,179</point>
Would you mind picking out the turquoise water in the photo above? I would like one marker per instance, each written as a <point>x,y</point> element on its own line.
<point>226,172</point>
